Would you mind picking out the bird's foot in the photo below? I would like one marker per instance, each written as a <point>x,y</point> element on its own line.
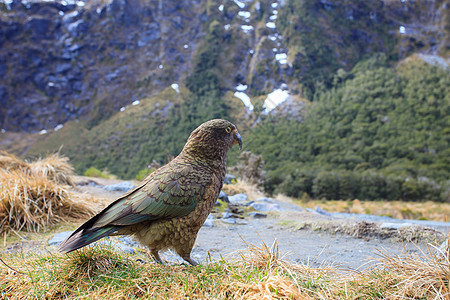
<point>190,260</point>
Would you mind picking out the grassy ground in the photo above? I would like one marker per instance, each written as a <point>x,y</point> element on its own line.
<point>260,273</point>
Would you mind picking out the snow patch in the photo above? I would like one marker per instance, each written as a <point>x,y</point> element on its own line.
<point>247,28</point>
<point>275,12</point>
<point>241,87</point>
<point>221,7</point>
<point>61,13</point>
<point>122,108</point>
<point>274,99</point>
<point>239,3</point>
<point>245,99</point>
<point>274,5</point>
<point>161,66</point>
<point>251,51</point>
<point>244,14</point>
<point>402,29</point>
<point>80,3</point>
<point>227,26</point>
<point>43,131</point>
<point>186,46</point>
<point>3,130</point>
<point>281,57</point>
<point>175,87</point>
<point>58,127</point>
<point>136,102</point>
<point>51,84</point>
<point>271,25</point>
<point>272,38</point>
<point>273,18</point>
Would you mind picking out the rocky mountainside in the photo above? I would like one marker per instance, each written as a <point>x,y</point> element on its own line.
<point>66,60</point>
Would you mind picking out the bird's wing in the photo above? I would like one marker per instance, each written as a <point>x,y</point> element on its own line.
<point>165,195</point>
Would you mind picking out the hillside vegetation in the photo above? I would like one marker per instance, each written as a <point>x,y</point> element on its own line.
<point>380,133</point>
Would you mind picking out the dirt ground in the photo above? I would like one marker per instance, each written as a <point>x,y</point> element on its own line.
<point>301,236</point>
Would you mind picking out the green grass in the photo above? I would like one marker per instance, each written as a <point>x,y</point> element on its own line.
<point>261,271</point>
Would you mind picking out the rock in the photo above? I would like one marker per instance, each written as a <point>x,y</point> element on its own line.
<point>322,211</point>
<point>310,210</point>
<point>124,248</point>
<point>128,241</point>
<point>265,206</point>
<point>226,215</point>
<point>124,186</point>
<point>224,197</point>
<point>217,203</point>
<point>394,226</point>
<point>208,223</point>
<point>59,237</point>
<point>265,199</point>
<point>257,215</point>
<point>229,178</point>
<point>229,221</point>
<point>238,198</point>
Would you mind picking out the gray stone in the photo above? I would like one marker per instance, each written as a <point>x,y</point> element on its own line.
<point>387,225</point>
<point>238,198</point>
<point>265,199</point>
<point>257,215</point>
<point>265,206</point>
<point>224,197</point>
<point>229,220</point>
<point>226,215</point>
<point>124,186</point>
<point>59,238</point>
<point>229,178</point>
<point>208,223</point>
<point>128,241</point>
<point>322,211</point>
<point>124,248</point>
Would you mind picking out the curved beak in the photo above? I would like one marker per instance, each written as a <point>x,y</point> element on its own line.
<point>238,140</point>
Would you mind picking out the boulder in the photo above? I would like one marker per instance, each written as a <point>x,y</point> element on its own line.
<point>265,206</point>
<point>224,197</point>
<point>124,186</point>
<point>59,238</point>
<point>238,198</point>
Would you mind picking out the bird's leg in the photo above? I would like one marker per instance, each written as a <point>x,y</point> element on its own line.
<point>190,260</point>
<point>155,255</point>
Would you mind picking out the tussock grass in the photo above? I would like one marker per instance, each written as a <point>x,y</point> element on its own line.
<point>32,203</point>
<point>261,272</point>
<point>10,162</point>
<point>35,195</point>
<point>56,168</point>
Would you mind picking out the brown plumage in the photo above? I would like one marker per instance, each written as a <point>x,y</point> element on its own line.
<point>168,209</point>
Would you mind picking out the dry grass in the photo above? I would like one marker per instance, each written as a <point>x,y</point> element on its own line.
<point>34,195</point>
<point>10,162</point>
<point>242,186</point>
<point>32,203</point>
<point>260,273</point>
<point>56,168</point>
<point>396,209</point>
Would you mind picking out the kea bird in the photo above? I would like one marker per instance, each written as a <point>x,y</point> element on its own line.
<point>168,209</point>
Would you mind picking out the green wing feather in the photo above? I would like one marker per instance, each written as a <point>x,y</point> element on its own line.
<point>164,195</point>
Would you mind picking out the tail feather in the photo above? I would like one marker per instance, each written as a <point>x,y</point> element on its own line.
<point>83,237</point>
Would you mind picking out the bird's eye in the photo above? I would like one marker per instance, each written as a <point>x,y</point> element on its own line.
<point>228,129</point>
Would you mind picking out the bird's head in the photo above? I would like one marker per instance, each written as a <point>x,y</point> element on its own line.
<point>213,139</point>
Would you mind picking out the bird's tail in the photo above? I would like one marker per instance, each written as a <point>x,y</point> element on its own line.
<point>84,236</point>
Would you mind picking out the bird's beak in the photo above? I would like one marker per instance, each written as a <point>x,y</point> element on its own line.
<point>238,140</point>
